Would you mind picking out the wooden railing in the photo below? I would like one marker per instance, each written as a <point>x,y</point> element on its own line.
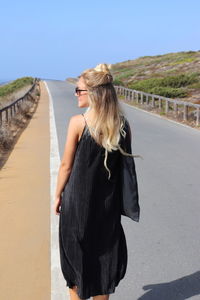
<point>10,110</point>
<point>156,101</point>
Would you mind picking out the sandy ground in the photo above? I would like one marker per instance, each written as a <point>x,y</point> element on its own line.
<point>25,271</point>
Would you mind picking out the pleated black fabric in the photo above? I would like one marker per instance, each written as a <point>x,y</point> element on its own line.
<point>93,249</point>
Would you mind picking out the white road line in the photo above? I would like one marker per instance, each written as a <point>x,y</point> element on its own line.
<point>59,291</point>
<point>161,117</point>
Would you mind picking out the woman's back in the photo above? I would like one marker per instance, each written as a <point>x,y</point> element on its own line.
<point>90,219</point>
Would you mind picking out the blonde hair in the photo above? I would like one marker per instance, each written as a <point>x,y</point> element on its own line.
<point>108,121</point>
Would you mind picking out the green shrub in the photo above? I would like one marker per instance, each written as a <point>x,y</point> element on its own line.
<point>170,86</point>
<point>118,82</point>
<point>168,92</point>
<point>181,80</point>
<point>146,84</point>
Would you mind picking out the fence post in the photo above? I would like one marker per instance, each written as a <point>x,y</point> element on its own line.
<point>197,120</point>
<point>166,106</point>
<point>6,115</point>
<point>129,95</point>
<point>159,103</point>
<point>137,98</point>
<point>153,101</point>
<point>142,98</point>
<point>133,96</point>
<point>126,95</point>
<point>175,108</point>
<point>125,91</point>
<point>147,99</point>
<point>185,112</point>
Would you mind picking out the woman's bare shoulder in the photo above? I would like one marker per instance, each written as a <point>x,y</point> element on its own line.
<point>76,118</point>
<point>78,122</point>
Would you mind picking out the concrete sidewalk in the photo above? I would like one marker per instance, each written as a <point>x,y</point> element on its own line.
<point>25,212</point>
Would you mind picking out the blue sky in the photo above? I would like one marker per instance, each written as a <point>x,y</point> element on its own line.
<point>60,39</point>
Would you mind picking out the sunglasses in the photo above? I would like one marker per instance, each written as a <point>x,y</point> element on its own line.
<point>78,91</point>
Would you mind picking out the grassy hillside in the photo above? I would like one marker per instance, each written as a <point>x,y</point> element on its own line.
<point>173,75</point>
<point>15,85</point>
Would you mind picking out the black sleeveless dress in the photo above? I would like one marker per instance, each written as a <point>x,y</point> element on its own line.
<point>93,249</point>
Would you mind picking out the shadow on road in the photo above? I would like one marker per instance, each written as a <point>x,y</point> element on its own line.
<point>179,289</point>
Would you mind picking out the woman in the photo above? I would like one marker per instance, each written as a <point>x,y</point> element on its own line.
<point>93,250</point>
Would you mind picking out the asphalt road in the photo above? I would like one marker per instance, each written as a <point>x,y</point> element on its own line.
<point>164,247</point>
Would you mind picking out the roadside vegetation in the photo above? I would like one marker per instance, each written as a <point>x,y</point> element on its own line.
<point>173,75</point>
<point>169,86</point>
<point>15,85</point>
<point>10,130</point>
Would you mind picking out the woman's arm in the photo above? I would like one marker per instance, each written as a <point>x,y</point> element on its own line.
<point>67,160</point>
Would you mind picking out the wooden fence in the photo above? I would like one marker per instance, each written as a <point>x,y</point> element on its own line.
<point>10,110</point>
<point>156,101</point>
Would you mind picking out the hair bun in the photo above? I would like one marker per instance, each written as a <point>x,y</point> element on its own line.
<point>102,68</point>
<point>98,76</point>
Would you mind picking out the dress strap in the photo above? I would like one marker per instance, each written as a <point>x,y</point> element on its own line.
<point>84,119</point>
